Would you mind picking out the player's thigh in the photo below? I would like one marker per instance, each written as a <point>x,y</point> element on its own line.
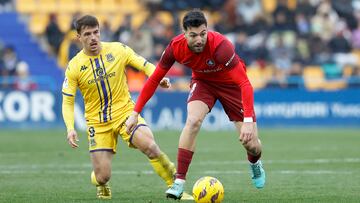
<point>140,127</point>
<point>101,160</point>
<point>143,138</point>
<point>201,99</point>
<point>197,110</point>
<point>201,91</point>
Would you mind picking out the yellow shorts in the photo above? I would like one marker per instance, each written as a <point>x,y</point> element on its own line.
<point>104,136</point>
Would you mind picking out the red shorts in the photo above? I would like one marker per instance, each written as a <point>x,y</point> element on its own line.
<point>229,96</point>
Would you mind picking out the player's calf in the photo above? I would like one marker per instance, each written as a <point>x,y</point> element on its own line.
<point>152,150</point>
<point>164,168</point>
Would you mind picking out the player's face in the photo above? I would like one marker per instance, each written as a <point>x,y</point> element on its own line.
<point>196,38</point>
<point>90,40</point>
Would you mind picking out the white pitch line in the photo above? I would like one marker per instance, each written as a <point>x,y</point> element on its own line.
<point>310,172</point>
<point>304,161</point>
<point>210,172</point>
<point>206,163</point>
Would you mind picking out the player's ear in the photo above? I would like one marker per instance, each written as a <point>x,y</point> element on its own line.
<point>184,29</point>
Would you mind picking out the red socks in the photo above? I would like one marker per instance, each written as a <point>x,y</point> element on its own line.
<point>253,159</point>
<point>184,159</point>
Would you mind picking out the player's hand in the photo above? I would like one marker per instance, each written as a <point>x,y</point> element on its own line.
<point>72,138</point>
<point>131,122</point>
<point>165,83</point>
<point>247,132</point>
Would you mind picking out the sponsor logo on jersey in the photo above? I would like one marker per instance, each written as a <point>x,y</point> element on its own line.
<point>212,70</point>
<point>100,78</point>
<point>110,57</point>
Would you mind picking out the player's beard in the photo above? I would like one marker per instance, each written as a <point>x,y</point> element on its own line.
<point>197,48</point>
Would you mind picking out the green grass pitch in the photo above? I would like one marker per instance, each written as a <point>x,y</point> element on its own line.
<point>302,165</point>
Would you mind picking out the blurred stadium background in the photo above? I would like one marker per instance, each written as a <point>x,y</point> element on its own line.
<point>303,59</point>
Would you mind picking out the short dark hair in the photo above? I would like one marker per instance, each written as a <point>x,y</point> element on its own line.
<point>85,21</point>
<point>194,18</point>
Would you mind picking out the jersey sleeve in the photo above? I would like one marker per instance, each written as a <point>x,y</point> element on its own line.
<point>139,62</point>
<point>166,61</point>
<point>69,93</point>
<point>167,58</point>
<point>225,54</point>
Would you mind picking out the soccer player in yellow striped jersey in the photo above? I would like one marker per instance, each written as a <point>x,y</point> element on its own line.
<point>102,81</point>
<point>98,70</point>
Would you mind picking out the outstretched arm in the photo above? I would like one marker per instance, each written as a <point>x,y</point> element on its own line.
<point>226,55</point>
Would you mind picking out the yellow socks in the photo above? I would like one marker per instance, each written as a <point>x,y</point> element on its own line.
<point>93,179</point>
<point>164,168</point>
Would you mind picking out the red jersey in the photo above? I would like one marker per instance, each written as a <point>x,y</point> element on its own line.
<point>217,63</point>
<point>211,64</point>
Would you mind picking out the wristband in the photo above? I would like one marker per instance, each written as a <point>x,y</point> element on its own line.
<point>248,120</point>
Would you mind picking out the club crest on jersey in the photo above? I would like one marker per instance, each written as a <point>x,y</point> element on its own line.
<point>99,72</point>
<point>110,57</point>
<point>210,62</point>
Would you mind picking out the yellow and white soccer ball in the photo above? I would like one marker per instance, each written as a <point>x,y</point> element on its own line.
<point>208,190</point>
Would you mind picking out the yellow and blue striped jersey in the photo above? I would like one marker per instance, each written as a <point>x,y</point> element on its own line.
<point>102,82</point>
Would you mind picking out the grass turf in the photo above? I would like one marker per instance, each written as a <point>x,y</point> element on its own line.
<point>302,165</point>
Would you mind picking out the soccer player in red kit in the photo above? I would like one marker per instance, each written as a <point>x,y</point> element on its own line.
<point>217,74</point>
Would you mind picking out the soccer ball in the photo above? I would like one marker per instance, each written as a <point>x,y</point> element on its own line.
<point>208,190</point>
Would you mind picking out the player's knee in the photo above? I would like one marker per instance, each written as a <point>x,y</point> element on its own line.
<point>152,150</point>
<point>193,122</point>
<point>253,147</point>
